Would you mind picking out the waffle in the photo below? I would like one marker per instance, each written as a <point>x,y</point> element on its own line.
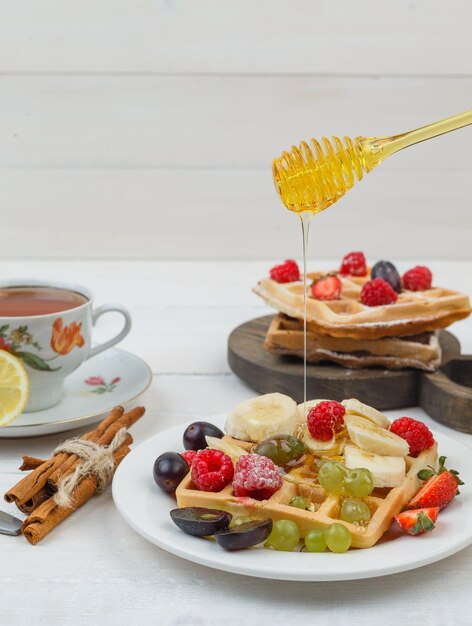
<point>414,313</point>
<point>285,337</point>
<point>383,503</point>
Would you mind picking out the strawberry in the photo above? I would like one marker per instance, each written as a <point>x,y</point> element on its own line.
<point>417,521</point>
<point>326,288</point>
<point>439,488</point>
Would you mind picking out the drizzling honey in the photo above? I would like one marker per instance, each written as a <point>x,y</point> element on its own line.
<point>314,175</point>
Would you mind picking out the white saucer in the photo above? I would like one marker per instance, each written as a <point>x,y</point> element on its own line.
<point>146,509</point>
<point>110,378</point>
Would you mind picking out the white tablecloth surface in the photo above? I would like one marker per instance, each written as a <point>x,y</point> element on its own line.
<point>95,569</point>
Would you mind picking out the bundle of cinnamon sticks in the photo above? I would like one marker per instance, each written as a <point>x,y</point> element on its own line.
<point>34,494</point>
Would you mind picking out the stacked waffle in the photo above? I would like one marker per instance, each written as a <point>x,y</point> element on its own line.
<point>359,317</point>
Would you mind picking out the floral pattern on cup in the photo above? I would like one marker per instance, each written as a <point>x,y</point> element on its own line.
<point>14,341</point>
<point>63,340</point>
<point>101,386</point>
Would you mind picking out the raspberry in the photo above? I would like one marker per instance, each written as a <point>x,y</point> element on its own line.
<point>256,476</point>
<point>417,434</point>
<point>376,292</point>
<point>287,272</point>
<point>211,470</point>
<point>353,264</point>
<point>326,288</point>
<point>418,278</point>
<point>189,455</point>
<point>325,419</point>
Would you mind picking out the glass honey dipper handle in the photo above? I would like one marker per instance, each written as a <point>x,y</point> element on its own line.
<point>382,147</point>
<point>313,175</point>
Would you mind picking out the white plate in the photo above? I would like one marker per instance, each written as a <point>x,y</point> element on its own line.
<point>146,509</point>
<point>118,377</point>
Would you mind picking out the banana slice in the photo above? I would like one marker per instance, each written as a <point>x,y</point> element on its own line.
<point>258,418</point>
<point>234,452</point>
<point>309,405</point>
<point>319,448</point>
<point>388,471</point>
<point>372,438</point>
<point>354,407</point>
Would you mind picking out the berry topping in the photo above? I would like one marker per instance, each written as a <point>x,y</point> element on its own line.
<point>417,434</point>
<point>439,489</point>
<point>353,264</point>
<point>387,272</point>
<point>189,455</point>
<point>287,272</point>
<point>211,470</point>
<point>326,288</point>
<point>256,477</point>
<point>417,521</point>
<point>376,292</point>
<point>325,419</point>
<point>418,278</point>
<point>169,470</point>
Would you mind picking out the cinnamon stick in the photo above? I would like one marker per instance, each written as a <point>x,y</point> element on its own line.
<point>125,421</point>
<point>49,515</point>
<point>30,505</point>
<point>30,463</point>
<point>69,466</point>
<point>26,488</point>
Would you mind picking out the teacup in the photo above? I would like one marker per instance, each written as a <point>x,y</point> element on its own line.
<point>49,327</point>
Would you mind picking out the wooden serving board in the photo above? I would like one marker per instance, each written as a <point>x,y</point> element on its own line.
<point>446,394</point>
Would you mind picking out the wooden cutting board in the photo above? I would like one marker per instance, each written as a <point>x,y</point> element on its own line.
<point>446,395</point>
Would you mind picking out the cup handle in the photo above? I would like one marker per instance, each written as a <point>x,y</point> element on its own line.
<point>107,308</point>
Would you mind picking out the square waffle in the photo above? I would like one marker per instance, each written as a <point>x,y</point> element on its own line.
<point>415,312</point>
<point>383,503</point>
<point>285,337</point>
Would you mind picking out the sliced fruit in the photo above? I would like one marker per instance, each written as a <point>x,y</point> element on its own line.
<point>308,406</point>
<point>264,416</point>
<point>326,288</point>
<point>322,448</point>
<point>244,535</point>
<point>14,387</point>
<point>355,407</point>
<point>232,450</point>
<point>418,521</point>
<point>439,489</point>
<point>199,521</point>
<point>375,439</point>
<point>388,471</point>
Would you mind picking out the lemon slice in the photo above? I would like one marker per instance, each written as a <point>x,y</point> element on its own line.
<point>14,387</point>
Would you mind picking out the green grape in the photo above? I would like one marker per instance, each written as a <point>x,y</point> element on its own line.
<point>331,476</point>
<point>359,482</point>
<point>241,519</point>
<point>355,511</point>
<point>338,538</point>
<point>315,540</point>
<point>299,502</point>
<point>285,535</point>
<point>284,450</point>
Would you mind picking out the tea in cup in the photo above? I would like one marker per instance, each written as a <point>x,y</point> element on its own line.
<point>49,328</point>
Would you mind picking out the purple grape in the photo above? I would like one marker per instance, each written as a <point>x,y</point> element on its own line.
<point>194,435</point>
<point>199,521</point>
<point>387,272</point>
<point>169,470</point>
<point>244,535</point>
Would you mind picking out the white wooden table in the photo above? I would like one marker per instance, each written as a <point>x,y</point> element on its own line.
<point>95,569</point>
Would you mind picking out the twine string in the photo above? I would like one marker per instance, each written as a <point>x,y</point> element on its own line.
<point>97,460</point>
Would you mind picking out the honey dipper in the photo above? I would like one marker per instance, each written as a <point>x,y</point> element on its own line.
<point>314,175</point>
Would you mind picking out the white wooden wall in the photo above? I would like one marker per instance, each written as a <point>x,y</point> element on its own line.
<point>146,128</point>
